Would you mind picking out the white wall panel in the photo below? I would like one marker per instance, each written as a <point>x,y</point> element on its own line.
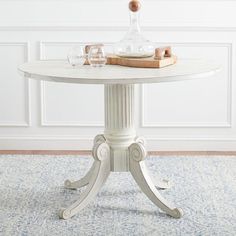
<point>14,90</point>
<point>69,104</point>
<point>185,115</point>
<point>196,103</point>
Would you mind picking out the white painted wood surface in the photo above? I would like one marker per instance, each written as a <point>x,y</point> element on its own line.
<point>61,71</point>
<point>30,110</point>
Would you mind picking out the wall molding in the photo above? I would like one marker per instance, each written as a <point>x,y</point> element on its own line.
<point>117,28</point>
<point>227,124</point>
<point>170,143</point>
<point>43,119</point>
<point>90,138</point>
<point>144,124</point>
<point>34,24</point>
<point>27,99</point>
<point>46,123</point>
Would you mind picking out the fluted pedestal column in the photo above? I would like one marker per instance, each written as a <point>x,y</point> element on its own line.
<point>118,149</point>
<point>119,124</point>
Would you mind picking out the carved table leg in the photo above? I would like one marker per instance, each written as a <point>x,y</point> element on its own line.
<point>162,183</point>
<point>101,154</point>
<point>81,182</point>
<point>140,173</point>
<point>85,180</point>
<point>158,182</point>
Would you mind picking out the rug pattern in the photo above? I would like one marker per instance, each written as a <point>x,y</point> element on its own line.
<point>32,192</point>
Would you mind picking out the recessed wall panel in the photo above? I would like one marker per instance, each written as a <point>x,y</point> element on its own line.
<point>202,102</point>
<point>69,104</point>
<point>14,94</point>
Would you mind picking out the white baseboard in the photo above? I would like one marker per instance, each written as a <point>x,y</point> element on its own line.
<point>85,143</point>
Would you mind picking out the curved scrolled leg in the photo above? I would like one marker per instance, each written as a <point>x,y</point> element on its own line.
<point>85,180</point>
<point>81,182</point>
<point>100,138</point>
<point>162,183</point>
<point>140,173</point>
<point>101,154</point>
<point>159,183</point>
<point>141,140</point>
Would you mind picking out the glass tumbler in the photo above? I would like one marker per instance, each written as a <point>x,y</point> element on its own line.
<point>76,56</point>
<point>97,56</point>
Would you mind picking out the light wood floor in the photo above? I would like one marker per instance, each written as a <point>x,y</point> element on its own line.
<point>88,153</point>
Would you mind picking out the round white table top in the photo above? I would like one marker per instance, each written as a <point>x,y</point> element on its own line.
<point>61,71</point>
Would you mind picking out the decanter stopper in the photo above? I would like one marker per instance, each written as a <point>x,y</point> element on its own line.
<point>134,5</point>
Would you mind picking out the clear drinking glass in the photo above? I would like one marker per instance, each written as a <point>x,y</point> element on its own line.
<point>76,56</point>
<point>97,56</point>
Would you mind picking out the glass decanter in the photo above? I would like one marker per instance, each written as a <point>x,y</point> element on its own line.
<point>134,44</point>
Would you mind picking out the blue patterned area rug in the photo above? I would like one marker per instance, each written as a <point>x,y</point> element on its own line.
<point>32,192</point>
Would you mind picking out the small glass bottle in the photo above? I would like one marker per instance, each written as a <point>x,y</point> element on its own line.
<point>134,44</point>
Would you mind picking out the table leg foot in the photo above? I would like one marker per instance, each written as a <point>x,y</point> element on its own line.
<point>101,171</point>
<point>140,173</point>
<point>81,182</point>
<point>162,184</point>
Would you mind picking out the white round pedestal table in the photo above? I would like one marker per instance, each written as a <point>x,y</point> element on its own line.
<point>118,149</point>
